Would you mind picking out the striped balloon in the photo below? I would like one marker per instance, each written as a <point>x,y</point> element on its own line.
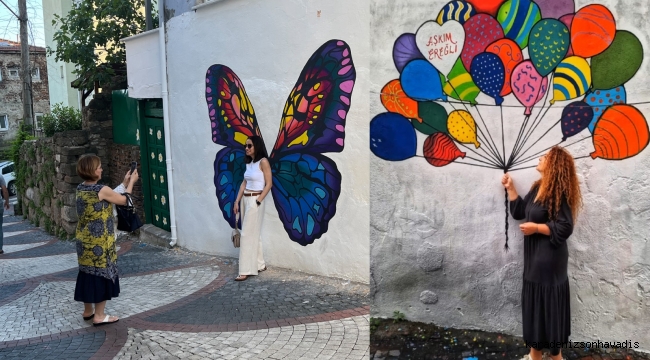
<point>572,78</point>
<point>440,150</point>
<point>620,133</point>
<point>456,10</point>
<point>592,30</point>
<point>517,17</point>
<point>395,100</point>
<point>460,85</point>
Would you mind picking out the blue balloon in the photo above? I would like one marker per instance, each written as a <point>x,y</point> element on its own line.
<point>488,73</point>
<point>392,137</point>
<point>575,118</point>
<point>421,81</point>
<point>602,99</point>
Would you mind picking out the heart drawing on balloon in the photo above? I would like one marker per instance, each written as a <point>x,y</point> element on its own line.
<point>441,44</point>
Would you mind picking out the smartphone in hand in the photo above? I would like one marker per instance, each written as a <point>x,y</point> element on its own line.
<point>134,165</point>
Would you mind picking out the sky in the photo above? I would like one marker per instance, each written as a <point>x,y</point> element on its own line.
<point>10,27</point>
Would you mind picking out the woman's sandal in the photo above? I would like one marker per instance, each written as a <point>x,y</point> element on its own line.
<point>262,269</point>
<point>105,321</point>
<point>88,317</point>
<point>240,278</point>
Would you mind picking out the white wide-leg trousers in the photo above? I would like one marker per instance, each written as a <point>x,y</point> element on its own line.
<point>250,249</point>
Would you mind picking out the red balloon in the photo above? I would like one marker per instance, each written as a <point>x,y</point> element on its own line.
<point>440,150</point>
<point>510,54</point>
<point>567,20</point>
<point>486,6</point>
<point>480,31</point>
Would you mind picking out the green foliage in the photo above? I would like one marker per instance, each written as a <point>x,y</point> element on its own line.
<point>374,324</point>
<point>62,118</point>
<point>398,316</point>
<point>22,171</point>
<point>89,37</point>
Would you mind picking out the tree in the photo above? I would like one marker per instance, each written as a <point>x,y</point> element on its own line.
<point>89,37</point>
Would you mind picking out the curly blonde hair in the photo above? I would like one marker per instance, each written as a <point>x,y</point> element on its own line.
<point>559,180</point>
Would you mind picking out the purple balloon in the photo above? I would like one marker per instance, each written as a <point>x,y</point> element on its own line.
<point>405,50</point>
<point>554,9</point>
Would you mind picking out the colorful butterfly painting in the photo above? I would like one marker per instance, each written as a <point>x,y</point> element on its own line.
<point>306,183</point>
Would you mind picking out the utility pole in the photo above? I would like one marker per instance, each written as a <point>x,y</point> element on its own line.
<point>28,118</point>
<point>147,15</point>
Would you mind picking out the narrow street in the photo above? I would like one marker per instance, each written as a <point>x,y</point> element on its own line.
<point>173,304</point>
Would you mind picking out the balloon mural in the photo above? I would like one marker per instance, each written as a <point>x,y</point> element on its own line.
<point>511,49</point>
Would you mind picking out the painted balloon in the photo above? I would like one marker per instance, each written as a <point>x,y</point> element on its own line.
<point>441,44</point>
<point>600,100</point>
<point>508,51</point>
<point>460,85</point>
<point>392,137</point>
<point>434,118</point>
<point>567,20</point>
<point>462,127</point>
<point>528,86</point>
<point>517,17</point>
<point>439,150</point>
<point>489,74</point>
<point>490,7</point>
<point>554,9</point>
<point>549,43</point>
<point>405,50</point>
<point>575,118</point>
<point>571,79</point>
<point>619,63</point>
<point>456,10</point>
<point>480,31</point>
<point>395,100</point>
<point>620,133</point>
<point>421,81</point>
<point>592,30</point>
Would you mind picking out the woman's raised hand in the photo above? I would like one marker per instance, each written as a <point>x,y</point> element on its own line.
<point>134,176</point>
<point>506,180</point>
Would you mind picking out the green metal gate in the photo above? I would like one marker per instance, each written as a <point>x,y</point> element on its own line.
<point>155,166</point>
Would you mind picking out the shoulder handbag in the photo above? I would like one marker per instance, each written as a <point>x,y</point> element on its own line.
<point>236,235</point>
<point>127,218</point>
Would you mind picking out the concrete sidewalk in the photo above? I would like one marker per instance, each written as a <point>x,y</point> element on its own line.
<point>173,304</point>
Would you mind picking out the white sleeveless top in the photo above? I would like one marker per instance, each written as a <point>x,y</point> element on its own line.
<point>254,177</point>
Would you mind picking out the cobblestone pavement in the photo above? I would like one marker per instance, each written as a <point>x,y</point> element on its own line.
<point>173,304</point>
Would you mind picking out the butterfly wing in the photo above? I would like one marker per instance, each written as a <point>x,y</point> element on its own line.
<point>305,190</point>
<point>314,115</point>
<point>307,184</point>
<point>231,113</point>
<point>233,120</point>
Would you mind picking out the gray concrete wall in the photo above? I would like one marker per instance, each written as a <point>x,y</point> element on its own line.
<point>437,233</point>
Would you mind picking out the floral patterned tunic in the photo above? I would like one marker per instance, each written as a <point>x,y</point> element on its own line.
<point>96,251</point>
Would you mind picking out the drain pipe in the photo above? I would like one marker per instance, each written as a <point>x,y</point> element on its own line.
<point>165,100</point>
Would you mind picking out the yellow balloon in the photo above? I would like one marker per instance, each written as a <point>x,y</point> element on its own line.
<point>462,127</point>
<point>572,79</point>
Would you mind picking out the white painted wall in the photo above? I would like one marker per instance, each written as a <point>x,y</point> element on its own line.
<point>143,59</point>
<point>442,229</point>
<point>267,43</point>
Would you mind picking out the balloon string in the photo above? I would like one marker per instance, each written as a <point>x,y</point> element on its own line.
<point>459,162</point>
<point>541,137</point>
<point>495,157</point>
<point>519,138</point>
<point>507,225</point>
<point>489,134</point>
<point>532,157</point>
<point>503,145</point>
<point>492,156</point>
<point>541,116</point>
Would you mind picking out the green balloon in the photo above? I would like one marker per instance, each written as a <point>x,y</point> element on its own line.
<point>618,63</point>
<point>434,118</point>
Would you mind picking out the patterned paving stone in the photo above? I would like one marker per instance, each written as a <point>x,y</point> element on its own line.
<point>20,269</point>
<point>51,309</point>
<point>8,290</point>
<point>56,248</point>
<point>79,347</point>
<point>25,237</point>
<point>340,339</point>
<point>15,248</point>
<point>16,226</point>
<point>261,299</point>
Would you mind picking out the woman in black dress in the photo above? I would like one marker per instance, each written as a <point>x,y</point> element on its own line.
<point>549,209</point>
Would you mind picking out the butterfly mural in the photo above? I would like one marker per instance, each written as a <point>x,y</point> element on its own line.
<point>306,183</point>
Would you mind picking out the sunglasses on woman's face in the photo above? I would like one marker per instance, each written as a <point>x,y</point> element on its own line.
<point>248,146</point>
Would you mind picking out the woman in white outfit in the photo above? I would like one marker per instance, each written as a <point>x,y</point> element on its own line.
<point>250,200</point>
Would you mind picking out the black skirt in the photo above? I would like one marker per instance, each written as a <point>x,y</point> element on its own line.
<point>94,289</point>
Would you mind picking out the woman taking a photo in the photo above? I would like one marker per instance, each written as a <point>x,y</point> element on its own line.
<point>549,209</point>
<point>256,185</point>
<point>97,280</point>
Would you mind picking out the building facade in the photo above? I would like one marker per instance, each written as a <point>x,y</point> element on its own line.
<point>11,106</point>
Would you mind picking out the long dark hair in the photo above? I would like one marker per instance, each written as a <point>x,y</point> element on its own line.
<point>559,180</point>
<point>260,149</point>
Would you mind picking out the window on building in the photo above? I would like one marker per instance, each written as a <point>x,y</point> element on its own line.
<point>4,123</point>
<point>38,121</point>
<point>14,73</point>
<point>36,74</point>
